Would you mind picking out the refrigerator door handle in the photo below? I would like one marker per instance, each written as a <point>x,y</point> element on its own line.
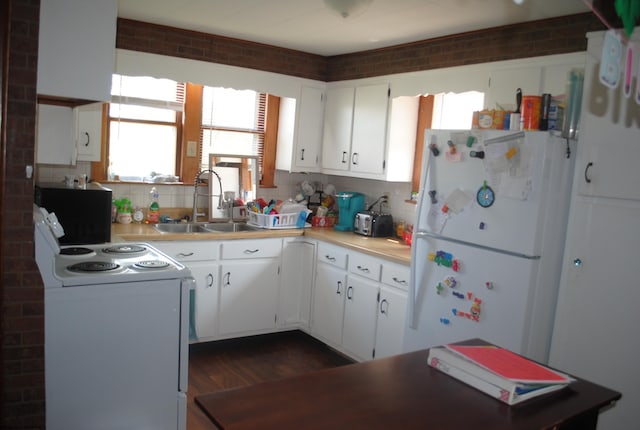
<point>420,234</point>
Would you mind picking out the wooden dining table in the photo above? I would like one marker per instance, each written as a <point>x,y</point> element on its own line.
<point>399,392</point>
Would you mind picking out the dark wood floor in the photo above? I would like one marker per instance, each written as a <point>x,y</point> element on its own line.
<point>240,362</point>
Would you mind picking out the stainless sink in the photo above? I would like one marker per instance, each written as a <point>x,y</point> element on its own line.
<point>230,227</point>
<point>181,228</point>
<point>207,227</point>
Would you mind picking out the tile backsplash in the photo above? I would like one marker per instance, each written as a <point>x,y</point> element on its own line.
<point>287,186</point>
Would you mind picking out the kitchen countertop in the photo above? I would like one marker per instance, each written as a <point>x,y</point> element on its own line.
<point>388,248</point>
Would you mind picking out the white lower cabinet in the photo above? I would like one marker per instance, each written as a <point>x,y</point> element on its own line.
<point>250,279</point>
<point>207,279</point>
<point>201,258</point>
<point>359,325</point>
<point>359,302</point>
<point>328,303</point>
<point>296,282</point>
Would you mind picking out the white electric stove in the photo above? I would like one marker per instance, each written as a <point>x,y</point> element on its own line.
<point>116,333</point>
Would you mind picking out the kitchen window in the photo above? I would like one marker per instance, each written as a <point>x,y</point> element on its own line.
<point>145,118</point>
<point>162,129</point>
<point>233,122</point>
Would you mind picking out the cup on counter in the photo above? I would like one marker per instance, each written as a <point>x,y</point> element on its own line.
<point>69,180</point>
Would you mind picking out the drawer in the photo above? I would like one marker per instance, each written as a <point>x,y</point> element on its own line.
<point>189,250</point>
<point>332,254</point>
<point>365,265</point>
<point>396,275</point>
<point>258,248</point>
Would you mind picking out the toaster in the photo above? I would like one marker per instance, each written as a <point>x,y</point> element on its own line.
<point>368,223</point>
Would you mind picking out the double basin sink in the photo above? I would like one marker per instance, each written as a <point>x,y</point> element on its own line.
<point>205,227</point>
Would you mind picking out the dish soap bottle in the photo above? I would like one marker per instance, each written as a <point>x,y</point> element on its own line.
<point>153,214</point>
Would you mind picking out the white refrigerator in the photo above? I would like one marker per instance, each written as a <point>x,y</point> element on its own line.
<point>488,239</point>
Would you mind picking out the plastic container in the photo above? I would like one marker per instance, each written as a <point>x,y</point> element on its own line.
<point>530,116</point>
<point>153,214</point>
<point>279,221</point>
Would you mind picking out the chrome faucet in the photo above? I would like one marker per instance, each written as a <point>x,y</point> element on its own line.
<point>198,181</point>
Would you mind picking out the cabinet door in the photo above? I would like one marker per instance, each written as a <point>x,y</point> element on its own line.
<point>336,136</point>
<point>206,306</point>
<point>309,130</point>
<point>359,328</point>
<point>296,280</point>
<point>369,129</point>
<point>76,50</point>
<point>248,295</point>
<point>89,131</point>
<point>597,314</point>
<point>328,303</point>
<point>392,311</point>
<point>609,132</point>
<point>54,138</point>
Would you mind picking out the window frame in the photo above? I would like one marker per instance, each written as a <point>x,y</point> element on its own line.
<point>189,122</point>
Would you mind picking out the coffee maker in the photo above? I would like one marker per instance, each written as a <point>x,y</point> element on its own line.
<point>349,203</point>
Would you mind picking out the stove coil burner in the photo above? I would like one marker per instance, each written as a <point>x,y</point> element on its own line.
<point>124,249</point>
<point>151,264</point>
<point>93,266</point>
<point>76,251</point>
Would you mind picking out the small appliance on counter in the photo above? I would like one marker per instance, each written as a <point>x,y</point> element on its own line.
<point>374,224</point>
<point>349,204</point>
<point>85,212</point>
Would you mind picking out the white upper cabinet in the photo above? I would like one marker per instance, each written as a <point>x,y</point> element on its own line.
<point>76,48</point>
<point>54,135</point>
<point>368,136</point>
<point>88,131</point>
<point>608,133</point>
<point>300,131</point>
<point>369,129</point>
<point>336,137</point>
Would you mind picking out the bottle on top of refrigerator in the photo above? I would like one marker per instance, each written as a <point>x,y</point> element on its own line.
<point>153,214</point>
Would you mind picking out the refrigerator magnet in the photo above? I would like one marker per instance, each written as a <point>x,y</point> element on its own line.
<point>485,196</point>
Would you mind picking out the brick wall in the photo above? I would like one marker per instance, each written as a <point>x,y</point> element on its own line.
<point>157,39</point>
<point>552,36</point>
<point>21,288</point>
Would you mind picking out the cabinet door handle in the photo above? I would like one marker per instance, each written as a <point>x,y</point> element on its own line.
<point>354,158</point>
<point>302,155</point>
<point>384,307</point>
<point>88,139</point>
<point>330,258</point>
<point>339,286</point>
<point>350,293</point>
<point>209,280</point>
<point>183,254</point>
<point>344,155</point>
<point>587,179</point>
<point>228,279</point>
<point>363,269</point>
<point>400,281</point>
<point>251,251</point>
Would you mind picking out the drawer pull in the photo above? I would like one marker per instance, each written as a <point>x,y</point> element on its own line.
<point>384,307</point>
<point>400,281</point>
<point>330,258</point>
<point>185,254</point>
<point>251,251</point>
<point>363,269</point>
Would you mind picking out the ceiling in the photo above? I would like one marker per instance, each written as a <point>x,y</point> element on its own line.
<point>310,26</point>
